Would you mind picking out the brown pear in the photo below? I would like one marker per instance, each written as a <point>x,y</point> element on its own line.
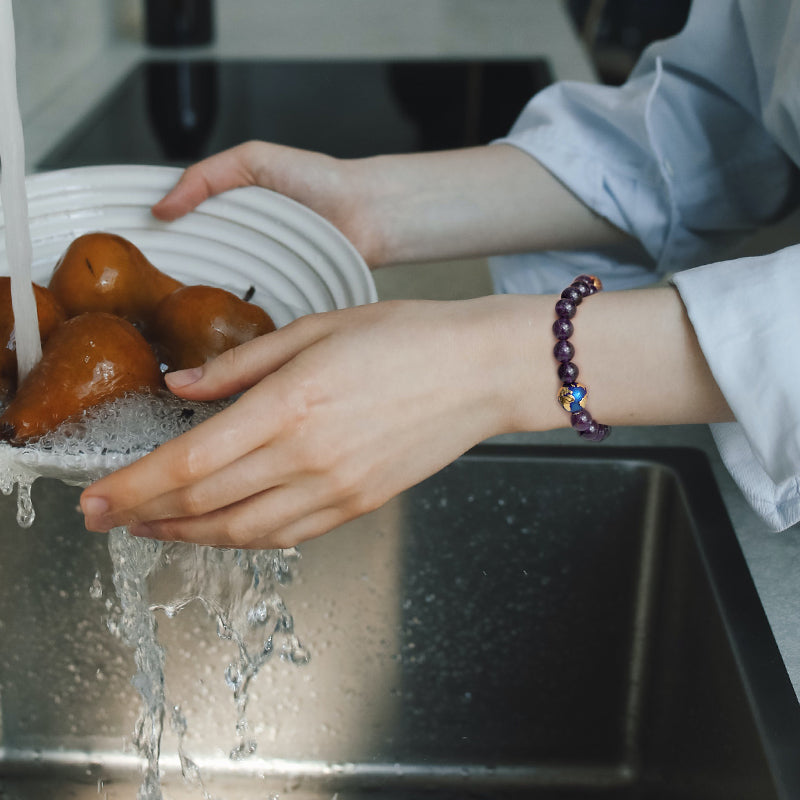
<point>50,315</point>
<point>88,360</point>
<point>196,323</point>
<point>106,272</point>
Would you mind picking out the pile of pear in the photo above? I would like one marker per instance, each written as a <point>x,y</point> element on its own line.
<point>111,324</point>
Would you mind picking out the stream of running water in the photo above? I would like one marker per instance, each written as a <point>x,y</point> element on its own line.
<point>239,589</point>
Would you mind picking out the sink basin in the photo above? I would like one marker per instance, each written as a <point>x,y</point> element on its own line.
<point>529,623</point>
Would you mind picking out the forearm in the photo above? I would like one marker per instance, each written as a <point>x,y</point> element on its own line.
<point>471,202</point>
<point>413,207</point>
<point>636,351</point>
<point>368,401</point>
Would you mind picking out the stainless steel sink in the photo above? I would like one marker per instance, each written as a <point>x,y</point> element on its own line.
<point>528,623</point>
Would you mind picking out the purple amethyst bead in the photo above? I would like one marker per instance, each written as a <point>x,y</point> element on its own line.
<point>581,420</point>
<point>596,432</point>
<point>571,293</point>
<point>562,328</point>
<point>583,288</point>
<point>590,432</point>
<point>591,281</point>
<point>568,372</point>
<point>563,351</point>
<point>566,308</point>
<point>605,430</point>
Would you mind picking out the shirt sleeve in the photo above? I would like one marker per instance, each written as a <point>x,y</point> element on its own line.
<point>678,157</point>
<point>746,318</point>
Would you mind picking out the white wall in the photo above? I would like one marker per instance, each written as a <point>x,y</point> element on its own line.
<point>56,40</point>
<point>380,28</point>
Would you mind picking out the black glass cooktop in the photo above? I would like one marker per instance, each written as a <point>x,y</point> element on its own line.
<point>174,112</point>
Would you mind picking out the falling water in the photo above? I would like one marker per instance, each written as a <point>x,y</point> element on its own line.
<point>133,561</point>
<point>239,589</point>
<point>15,201</point>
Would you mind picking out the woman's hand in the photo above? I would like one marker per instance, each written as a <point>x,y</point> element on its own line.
<point>343,410</point>
<point>327,185</point>
<point>340,412</point>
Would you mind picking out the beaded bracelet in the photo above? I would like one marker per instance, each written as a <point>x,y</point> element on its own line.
<point>572,395</point>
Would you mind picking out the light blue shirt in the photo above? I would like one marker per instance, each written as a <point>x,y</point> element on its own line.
<point>699,149</point>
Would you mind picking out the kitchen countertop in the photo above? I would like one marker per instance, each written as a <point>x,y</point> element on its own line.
<point>773,559</point>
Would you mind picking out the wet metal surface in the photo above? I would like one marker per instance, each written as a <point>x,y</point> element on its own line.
<point>530,622</point>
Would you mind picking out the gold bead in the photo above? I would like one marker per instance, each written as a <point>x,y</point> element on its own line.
<point>572,396</point>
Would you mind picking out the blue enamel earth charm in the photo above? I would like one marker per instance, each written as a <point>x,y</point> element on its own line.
<point>572,396</point>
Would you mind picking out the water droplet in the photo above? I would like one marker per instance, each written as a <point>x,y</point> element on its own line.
<point>96,588</point>
<point>243,750</point>
<point>25,511</point>
<point>233,677</point>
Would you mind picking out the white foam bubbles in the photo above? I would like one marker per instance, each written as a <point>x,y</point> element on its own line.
<point>106,438</point>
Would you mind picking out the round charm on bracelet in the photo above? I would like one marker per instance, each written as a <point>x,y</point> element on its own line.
<point>572,395</point>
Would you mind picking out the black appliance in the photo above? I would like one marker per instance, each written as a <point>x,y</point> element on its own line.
<point>174,112</point>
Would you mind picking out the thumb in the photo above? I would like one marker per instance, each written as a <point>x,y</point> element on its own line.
<point>241,367</point>
<point>211,176</point>
<point>190,190</point>
<point>184,379</point>
<point>223,376</point>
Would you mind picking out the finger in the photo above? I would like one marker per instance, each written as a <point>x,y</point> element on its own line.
<point>241,367</point>
<point>189,458</point>
<point>309,527</point>
<point>211,176</point>
<point>280,518</point>
<point>250,422</point>
<point>258,471</point>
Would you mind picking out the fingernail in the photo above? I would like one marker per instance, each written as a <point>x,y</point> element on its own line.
<point>184,377</point>
<point>94,508</point>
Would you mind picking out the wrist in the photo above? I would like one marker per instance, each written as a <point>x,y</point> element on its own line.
<point>517,333</point>
<point>360,209</point>
<point>658,376</point>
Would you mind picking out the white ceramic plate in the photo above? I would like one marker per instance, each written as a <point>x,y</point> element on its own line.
<point>297,262</point>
